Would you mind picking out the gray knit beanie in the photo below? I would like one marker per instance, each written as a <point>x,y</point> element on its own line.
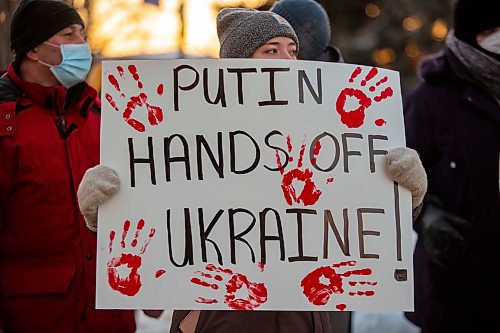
<point>242,31</point>
<point>311,23</point>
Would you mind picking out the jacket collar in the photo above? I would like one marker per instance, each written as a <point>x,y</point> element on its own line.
<point>49,97</point>
<point>446,68</point>
<point>82,96</point>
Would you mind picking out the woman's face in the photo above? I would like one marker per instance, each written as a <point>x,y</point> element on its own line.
<point>277,48</point>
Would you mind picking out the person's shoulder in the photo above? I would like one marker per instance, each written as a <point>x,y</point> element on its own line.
<point>90,92</point>
<point>331,54</point>
<point>436,79</point>
<point>8,90</point>
<point>436,70</point>
<point>86,97</point>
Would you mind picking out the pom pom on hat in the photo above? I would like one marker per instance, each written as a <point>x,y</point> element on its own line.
<point>35,21</point>
<point>311,24</point>
<point>242,31</point>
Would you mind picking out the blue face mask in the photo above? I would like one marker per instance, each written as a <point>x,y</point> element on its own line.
<point>75,64</point>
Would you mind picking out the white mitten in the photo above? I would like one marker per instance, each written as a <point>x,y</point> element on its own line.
<point>403,165</point>
<point>98,185</point>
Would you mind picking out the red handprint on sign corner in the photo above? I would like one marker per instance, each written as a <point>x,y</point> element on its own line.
<point>154,113</point>
<point>128,284</point>
<point>355,118</point>
<point>309,195</point>
<point>214,276</point>
<point>325,281</point>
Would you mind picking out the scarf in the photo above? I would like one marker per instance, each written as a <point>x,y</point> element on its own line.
<point>480,68</point>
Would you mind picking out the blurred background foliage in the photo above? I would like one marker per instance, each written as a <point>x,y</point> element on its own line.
<point>394,34</point>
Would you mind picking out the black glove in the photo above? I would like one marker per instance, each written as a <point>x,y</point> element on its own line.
<point>442,234</point>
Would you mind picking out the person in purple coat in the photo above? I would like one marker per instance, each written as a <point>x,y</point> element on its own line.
<point>453,121</point>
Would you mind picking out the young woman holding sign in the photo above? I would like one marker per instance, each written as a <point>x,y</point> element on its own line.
<point>247,33</point>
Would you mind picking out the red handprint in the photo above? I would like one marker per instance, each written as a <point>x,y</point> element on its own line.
<point>155,113</point>
<point>355,118</point>
<point>257,292</point>
<point>309,194</point>
<point>321,283</point>
<point>131,284</point>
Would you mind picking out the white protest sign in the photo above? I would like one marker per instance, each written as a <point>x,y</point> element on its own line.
<point>252,184</point>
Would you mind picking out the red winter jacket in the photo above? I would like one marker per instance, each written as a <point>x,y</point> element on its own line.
<point>49,137</point>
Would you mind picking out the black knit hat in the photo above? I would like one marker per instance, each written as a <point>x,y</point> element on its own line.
<point>473,16</point>
<point>35,21</point>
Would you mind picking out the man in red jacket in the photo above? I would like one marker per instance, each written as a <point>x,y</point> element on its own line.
<point>49,137</point>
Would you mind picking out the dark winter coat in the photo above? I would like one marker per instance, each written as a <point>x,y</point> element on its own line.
<point>257,322</point>
<point>455,127</point>
<point>49,137</point>
<point>331,54</point>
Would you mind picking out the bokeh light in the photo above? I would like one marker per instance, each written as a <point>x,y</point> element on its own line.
<point>412,23</point>
<point>412,50</point>
<point>384,56</point>
<point>3,16</point>
<point>372,10</point>
<point>439,30</point>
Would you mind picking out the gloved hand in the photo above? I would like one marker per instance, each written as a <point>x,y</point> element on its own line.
<point>403,165</point>
<point>442,233</point>
<point>98,185</point>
